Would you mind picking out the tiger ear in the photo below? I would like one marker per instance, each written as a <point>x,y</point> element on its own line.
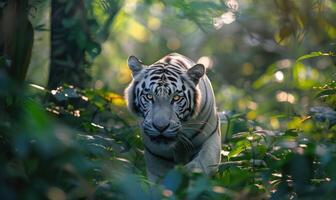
<point>135,65</point>
<point>196,72</point>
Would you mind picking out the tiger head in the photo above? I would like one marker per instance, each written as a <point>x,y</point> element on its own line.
<point>164,96</point>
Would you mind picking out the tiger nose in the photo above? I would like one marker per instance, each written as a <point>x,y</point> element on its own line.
<point>161,126</point>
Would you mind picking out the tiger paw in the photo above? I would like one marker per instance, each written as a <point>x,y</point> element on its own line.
<point>196,166</point>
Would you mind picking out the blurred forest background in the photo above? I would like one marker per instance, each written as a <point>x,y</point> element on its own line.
<point>65,130</point>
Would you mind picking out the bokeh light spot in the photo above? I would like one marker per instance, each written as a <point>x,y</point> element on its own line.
<point>153,23</point>
<point>130,6</point>
<point>279,76</point>
<point>252,105</point>
<point>173,43</point>
<point>247,69</point>
<point>167,193</point>
<point>99,84</point>
<point>285,63</point>
<point>274,123</point>
<point>225,18</point>
<point>206,61</point>
<point>138,31</point>
<point>54,193</point>
<point>285,97</point>
<point>218,189</point>
<point>232,4</point>
<point>251,115</point>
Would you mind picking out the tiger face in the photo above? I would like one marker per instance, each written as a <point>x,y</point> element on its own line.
<point>164,96</point>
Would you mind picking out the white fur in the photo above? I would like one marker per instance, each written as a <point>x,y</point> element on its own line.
<point>208,143</point>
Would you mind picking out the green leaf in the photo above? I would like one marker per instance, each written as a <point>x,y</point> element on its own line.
<point>326,93</point>
<point>172,180</point>
<point>68,23</point>
<point>240,147</point>
<point>3,4</point>
<point>93,48</point>
<point>314,54</point>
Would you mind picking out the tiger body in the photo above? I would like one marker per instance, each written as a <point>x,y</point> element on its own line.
<point>176,106</point>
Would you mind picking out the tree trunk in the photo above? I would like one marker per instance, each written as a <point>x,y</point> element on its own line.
<point>69,36</point>
<point>16,38</point>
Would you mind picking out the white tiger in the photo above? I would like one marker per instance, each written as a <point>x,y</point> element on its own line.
<point>174,101</point>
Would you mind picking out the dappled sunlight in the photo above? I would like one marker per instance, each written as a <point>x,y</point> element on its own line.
<point>271,65</point>
<point>284,63</point>
<point>274,122</point>
<point>115,99</point>
<point>137,31</point>
<point>206,61</point>
<point>173,43</point>
<point>252,105</point>
<point>247,69</point>
<point>225,18</point>
<point>232,4</point>
<point>153,23</point>
<point>55,193</point>
<point>305,76</point>
<point>282,96</point>
<point>99,84</point>
<point>130,6</point>
<point>279,76</point>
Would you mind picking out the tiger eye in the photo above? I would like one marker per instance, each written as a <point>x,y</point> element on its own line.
<point>176,97</point>
<point>149,96</point>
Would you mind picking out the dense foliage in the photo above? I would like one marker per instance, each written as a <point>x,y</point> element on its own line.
<point>272,65</point>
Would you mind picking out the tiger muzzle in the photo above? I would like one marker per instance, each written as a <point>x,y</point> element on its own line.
<point>161,126</point>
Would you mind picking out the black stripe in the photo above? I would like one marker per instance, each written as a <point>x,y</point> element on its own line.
<point>171,72</point>
<point>206,96</point>
<point>214,131</point>
<point>159,156</point>
<point>198,148</point>
<point>177,66</point>
<point>141,103</point>
<point>159,71</point>
<point>184,104</point>
<point>135,93</point>
<point>176,71</point>
<point>159,64</point>
<point>202,110</point>
<point>153,68</point>
<point>171,78</point>
<point>154,78</point>
<point>173,84</point>
<point>189,96</point>
<point>152,83</point>
<point>181,63</point>
<point>202,127</point>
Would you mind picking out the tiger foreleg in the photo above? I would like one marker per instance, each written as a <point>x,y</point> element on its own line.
<point>208,158</point>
